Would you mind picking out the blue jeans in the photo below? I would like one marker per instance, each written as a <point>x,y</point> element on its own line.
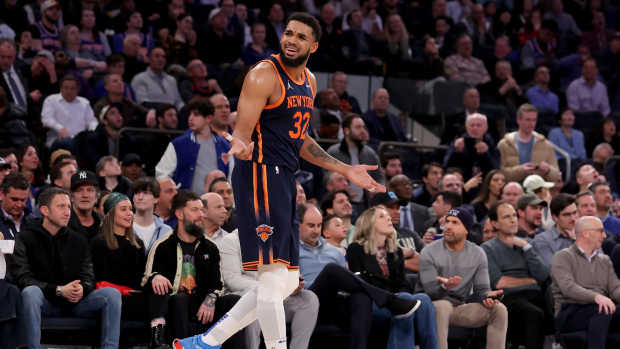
<point>402,331</point>
<point>106,301</point>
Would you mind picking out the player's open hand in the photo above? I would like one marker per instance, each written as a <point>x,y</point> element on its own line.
<point>358,175</point>
<point>238,148</point>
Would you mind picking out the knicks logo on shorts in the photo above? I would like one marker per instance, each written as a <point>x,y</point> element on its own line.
<point>264,232</point>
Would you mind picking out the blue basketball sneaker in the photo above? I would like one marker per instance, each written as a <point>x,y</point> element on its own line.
<point>194,342</point>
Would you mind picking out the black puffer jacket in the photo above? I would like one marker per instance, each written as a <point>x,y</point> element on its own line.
<point>47,261</point>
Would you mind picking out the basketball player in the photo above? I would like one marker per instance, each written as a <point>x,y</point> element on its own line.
<point>274,111</point>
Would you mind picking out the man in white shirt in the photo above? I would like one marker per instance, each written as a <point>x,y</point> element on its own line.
<point>66,114</point>
<point>214,216</point>
<point>301,307</point>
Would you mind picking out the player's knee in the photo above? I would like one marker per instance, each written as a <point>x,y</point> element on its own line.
<point>270,287</point>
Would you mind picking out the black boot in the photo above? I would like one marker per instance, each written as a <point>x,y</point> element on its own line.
<point>158,338</point>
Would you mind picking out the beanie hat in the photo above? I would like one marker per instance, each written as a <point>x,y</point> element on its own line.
<point>463,214</point>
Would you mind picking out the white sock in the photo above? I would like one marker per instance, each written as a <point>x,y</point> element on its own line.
<point>238,317</point>
<point>270,307</point>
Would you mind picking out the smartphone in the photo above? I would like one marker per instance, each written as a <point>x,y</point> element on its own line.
<point>470,144</point>
<point>438,236</point>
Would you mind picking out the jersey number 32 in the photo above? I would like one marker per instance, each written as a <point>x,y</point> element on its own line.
<point>299,131</point>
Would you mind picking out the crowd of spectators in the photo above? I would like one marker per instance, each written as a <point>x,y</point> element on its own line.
<point>97,221</point>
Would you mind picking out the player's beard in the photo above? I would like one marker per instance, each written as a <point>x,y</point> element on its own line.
<point>294,62</point>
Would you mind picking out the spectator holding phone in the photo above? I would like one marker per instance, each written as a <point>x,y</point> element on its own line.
<point>475,149</point>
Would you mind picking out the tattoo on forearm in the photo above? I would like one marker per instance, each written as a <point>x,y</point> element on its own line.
<point>319,154</point>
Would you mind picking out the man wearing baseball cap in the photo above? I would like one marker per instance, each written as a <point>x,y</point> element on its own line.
<point>50,13</point>
<point>84,191</point>
<point>537,185</point>
<point>449,269</point>
<point>529,209</point>
<point>516,268</point>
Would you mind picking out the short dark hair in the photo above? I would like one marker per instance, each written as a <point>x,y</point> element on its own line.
<point>592,186</point>
<point>308,20</point>
<point>14,180</point>
<point>217,180</point>
<point>69,77</point>
<point>56,171</point>
<point>326,220</point>
<point>114,59</point>
<point>201,106</point>
<point>560,202</point>
<point>386,157</point>
<point>144,184</point>
<point>451,197</point>
<point>427,167</point>
<point>328,200</point>
<point>348,120</point>
<point>493,209</point>
<point>163,108</point>
<point>181,198</point>
<point>46,197</point>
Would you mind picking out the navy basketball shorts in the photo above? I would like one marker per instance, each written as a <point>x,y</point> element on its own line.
<point>265,207</point>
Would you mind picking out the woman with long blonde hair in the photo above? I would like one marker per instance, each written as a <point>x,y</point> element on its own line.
<point>376,255</point>
<point>118,256</point>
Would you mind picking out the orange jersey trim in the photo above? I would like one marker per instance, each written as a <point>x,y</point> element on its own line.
<point>265,190</point>
<point>259,137</point>
<point>289,75</point>
<point>279,101</point>
<point>254,187</point>
<point>310,82</point>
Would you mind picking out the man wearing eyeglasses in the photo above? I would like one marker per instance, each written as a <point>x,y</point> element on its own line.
<point>586,300</point>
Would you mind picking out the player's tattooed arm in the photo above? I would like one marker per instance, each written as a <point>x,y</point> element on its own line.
<point>313,153</point>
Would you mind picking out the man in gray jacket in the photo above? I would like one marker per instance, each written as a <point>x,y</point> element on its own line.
<point>352,151</point>
<point>450,268</point>
<point>585,286</point>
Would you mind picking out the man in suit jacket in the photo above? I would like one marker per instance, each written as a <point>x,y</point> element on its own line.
<point>412,216</point>
<point>382,125</point>
<point>12,81</point>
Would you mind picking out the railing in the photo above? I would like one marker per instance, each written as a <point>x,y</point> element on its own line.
<point>411,145</point>
<point>566,156</point>
<point>142,130</point>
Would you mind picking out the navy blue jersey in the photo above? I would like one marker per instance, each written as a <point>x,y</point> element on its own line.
<point>49,41</point>
<point>283,126</point>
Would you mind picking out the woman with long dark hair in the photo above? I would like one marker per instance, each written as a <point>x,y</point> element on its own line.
<point>30,166</point>
<point>375,254</point>
<point>490,192</point>
<point>118,256</point>
<point>92,40</point>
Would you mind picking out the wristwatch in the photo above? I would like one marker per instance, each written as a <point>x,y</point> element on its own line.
<point>58,291</point>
